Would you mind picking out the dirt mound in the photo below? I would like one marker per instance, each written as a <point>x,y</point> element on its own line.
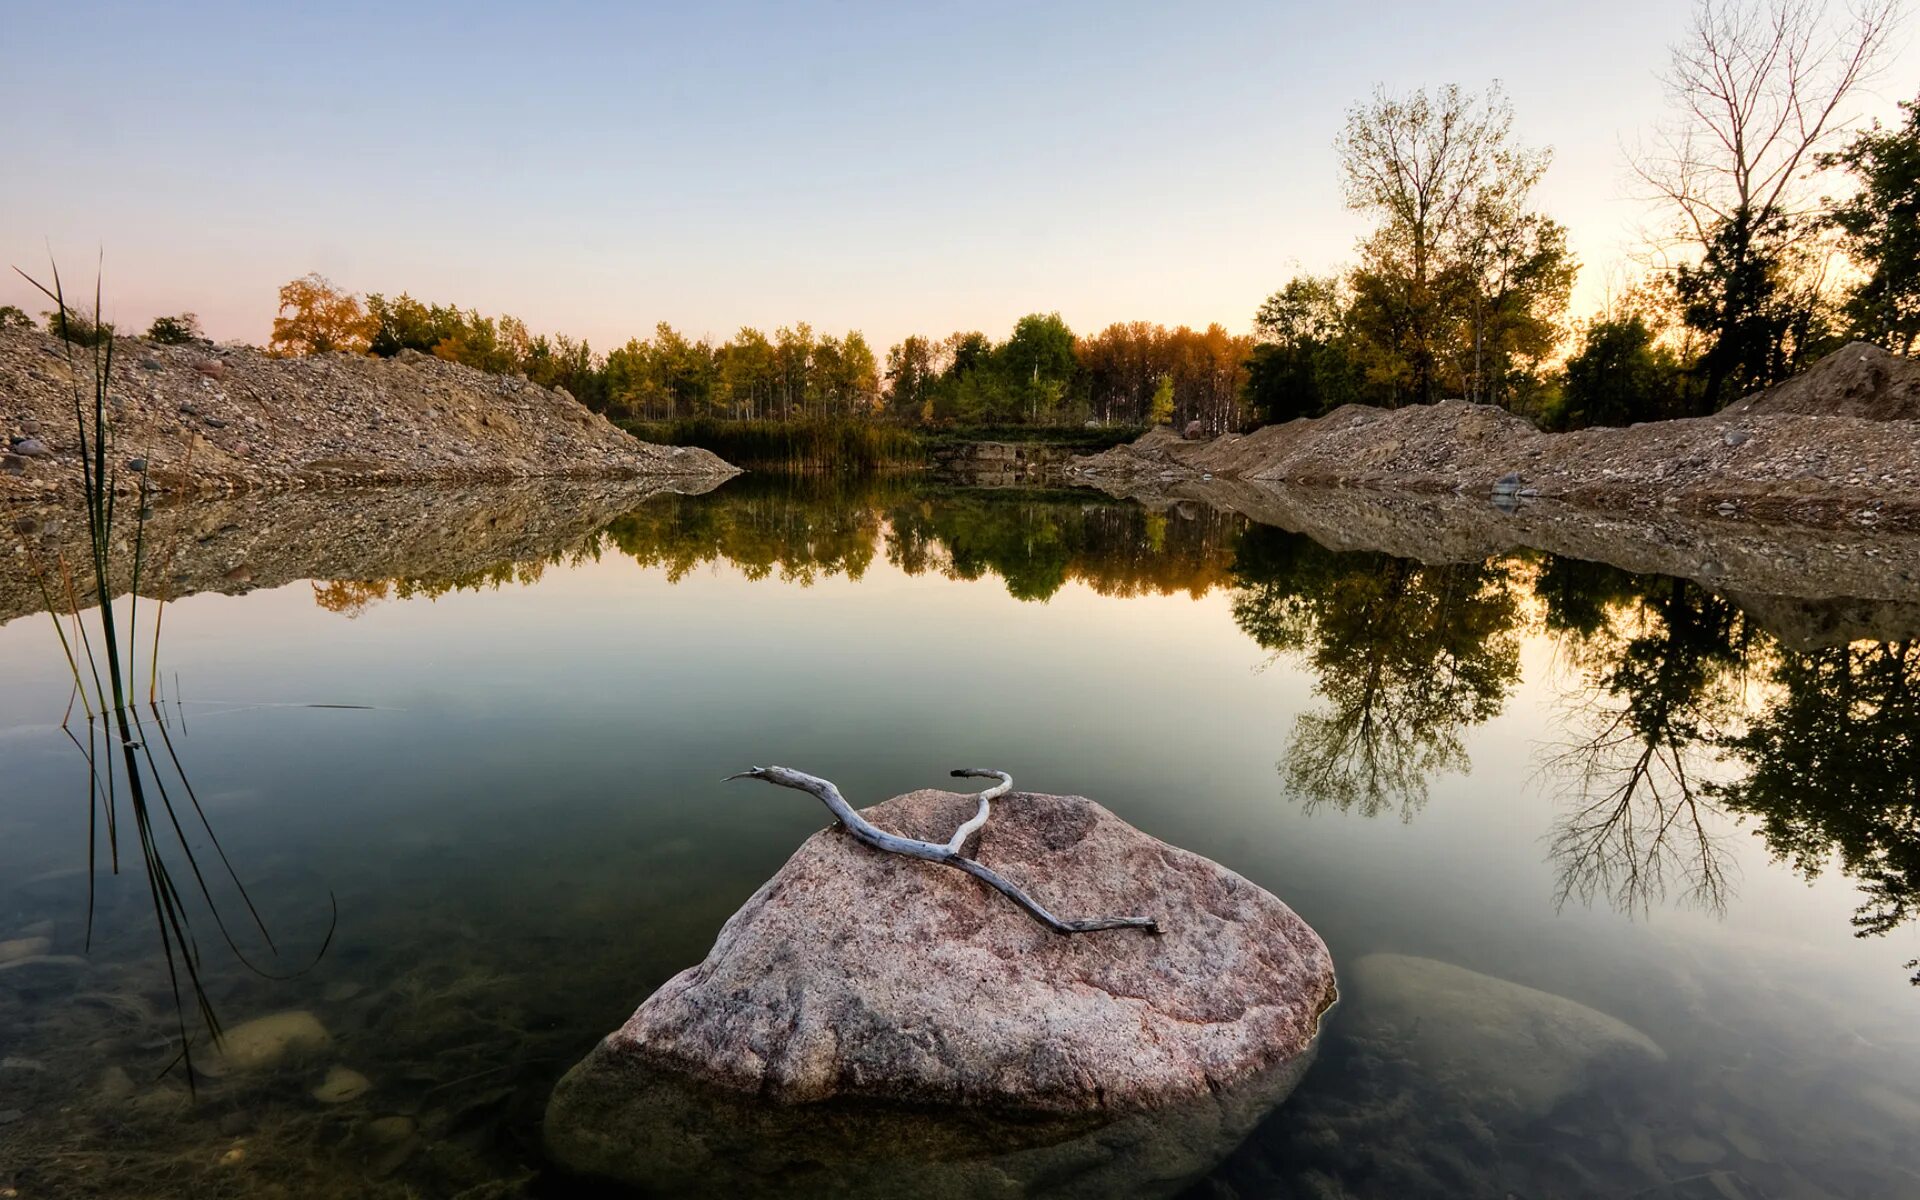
<point>230,419</point>
<point>1825,470</point>
<point>1350,441</point>
<point>1861,381</point>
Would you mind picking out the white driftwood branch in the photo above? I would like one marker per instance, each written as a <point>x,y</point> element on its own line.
<point>946,855</point>
<point>958,841</point>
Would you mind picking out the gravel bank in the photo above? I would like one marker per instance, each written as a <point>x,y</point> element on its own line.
<point>1769,458</point>
<point>218,419</point>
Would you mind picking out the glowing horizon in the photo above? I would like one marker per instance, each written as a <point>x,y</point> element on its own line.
<point>594,170</point>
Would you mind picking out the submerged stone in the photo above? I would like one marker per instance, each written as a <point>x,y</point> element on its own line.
<point>26,947</point>
<point>269,1041</point>
<point>1508,1051</point>
<point>341,1085</point>
<point>854,975</point>
<point>669,1136</point>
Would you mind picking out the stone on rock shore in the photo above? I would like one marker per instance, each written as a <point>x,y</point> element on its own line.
<point>1509,1052</point>
<point>854,975</point>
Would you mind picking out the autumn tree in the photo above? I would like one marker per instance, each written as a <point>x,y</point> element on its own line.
<point>1456,257</point>
<point>1880,229</point>
<point>1160,407</point>
<point>316,317</point>
<point>1758,88</point>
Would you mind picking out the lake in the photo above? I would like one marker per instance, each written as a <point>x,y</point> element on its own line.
<point>467,750</point>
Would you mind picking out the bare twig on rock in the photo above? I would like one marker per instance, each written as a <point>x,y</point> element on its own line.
<point>948,854</point>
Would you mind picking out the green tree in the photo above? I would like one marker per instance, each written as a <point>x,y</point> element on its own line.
<point>1619,377</point>
<point>1880,227</point>
<point>1660,661</point>
<point>1405,656</point>
<point>1834,771</point>
<point>12,317</point>
<point>913,370</point>
<point>407,324</point>
<point>1038,364</point>
<point>1521,280</point>
<point>749,373</point>
<point>1302,364</point>
<point>1753,301</point>
<point>70,325</point>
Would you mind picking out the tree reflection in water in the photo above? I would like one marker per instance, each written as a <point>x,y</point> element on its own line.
<point>1833,770</point>
<point>1658,670</point>
<point>1406,656</point>
<point>1682,715</point>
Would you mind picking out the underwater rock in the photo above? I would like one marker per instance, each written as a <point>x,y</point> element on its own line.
<point>669,1136</point>
<point>269,1041</point>
<point>390,1129</point>
<point>856,974</point>
<point>115,1085</point>
<point>1509,1051</point>
<point>41,970</point>
<point>341,1085</point>
<point>19,948</point>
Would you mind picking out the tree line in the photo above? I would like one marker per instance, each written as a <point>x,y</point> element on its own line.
<point>1042,373</point>
<point>1460,289</point>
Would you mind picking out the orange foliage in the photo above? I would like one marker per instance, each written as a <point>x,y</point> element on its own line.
<point>316,317</point>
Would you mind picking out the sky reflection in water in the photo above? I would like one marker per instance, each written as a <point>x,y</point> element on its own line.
<point>1621,789</point>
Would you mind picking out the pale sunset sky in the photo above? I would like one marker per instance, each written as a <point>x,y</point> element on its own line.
<point>597,168</point>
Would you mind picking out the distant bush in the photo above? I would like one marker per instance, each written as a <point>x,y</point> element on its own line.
<point>77,329</point>
<point>12,317</point>
<point>181,330</point>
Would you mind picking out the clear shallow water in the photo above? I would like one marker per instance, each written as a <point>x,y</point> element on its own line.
<point>1621,790</point>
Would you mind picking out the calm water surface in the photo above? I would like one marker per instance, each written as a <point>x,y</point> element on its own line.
<point>505,778</point>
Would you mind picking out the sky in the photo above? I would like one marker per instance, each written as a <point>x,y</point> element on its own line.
<point>595,169</point>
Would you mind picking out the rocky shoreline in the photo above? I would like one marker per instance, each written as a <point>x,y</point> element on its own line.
<point>202,419</point>
<point>1777,457</point>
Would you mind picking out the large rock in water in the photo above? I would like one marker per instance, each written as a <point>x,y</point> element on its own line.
<point>1505,1051</point>
<point>857,981</point>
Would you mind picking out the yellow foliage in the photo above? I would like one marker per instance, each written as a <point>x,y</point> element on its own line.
<point>317,317</point>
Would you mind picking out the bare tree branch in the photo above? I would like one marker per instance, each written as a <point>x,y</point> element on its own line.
<point>947,855</point>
